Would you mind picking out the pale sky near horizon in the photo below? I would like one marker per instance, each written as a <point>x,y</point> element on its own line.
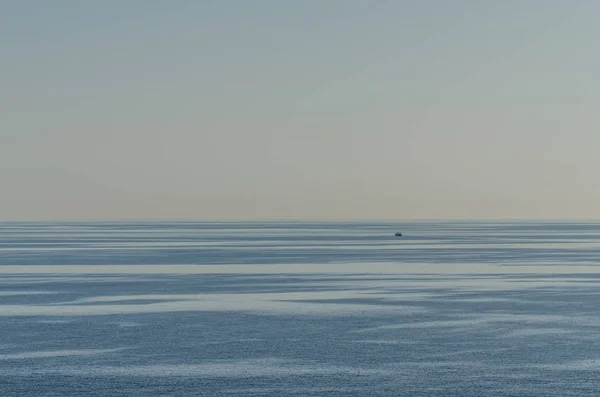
<point>313,109</point>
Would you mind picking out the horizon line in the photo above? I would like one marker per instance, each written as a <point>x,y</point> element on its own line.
<point>291,220</point>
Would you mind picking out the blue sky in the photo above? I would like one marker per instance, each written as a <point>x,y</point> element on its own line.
<point>299,110</point>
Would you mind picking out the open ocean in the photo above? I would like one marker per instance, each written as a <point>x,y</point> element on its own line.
<point>300,309</point>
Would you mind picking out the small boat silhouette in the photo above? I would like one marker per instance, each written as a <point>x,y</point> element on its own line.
<point>398,234</point>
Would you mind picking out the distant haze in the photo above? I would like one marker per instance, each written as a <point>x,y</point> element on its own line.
<point>316,109</point>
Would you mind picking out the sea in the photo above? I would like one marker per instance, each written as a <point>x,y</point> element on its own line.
<point>300,309</point>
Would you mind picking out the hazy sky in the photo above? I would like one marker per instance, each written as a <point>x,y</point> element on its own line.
<point>307,109</point>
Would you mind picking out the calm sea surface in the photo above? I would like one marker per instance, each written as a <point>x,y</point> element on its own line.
<point>300,309</point>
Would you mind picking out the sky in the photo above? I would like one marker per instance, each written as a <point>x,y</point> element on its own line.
<point>299,110</point>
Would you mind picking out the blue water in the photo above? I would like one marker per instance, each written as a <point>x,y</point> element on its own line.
<point>300,309</point>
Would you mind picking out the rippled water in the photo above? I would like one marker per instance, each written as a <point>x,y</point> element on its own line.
<point>299,309</point>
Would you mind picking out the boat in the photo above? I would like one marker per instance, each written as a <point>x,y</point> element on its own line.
<point>398,234</point>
